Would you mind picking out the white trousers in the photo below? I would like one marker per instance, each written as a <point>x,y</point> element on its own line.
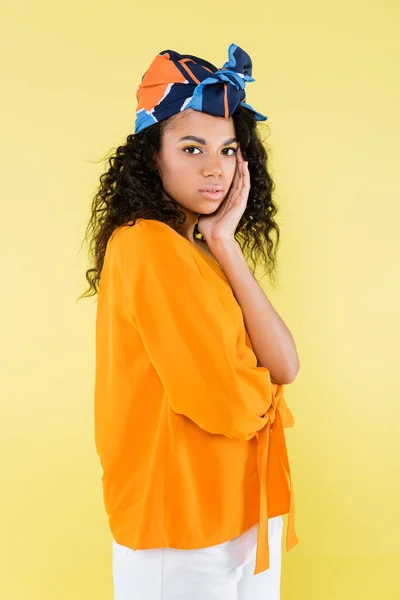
<point>223,572</point>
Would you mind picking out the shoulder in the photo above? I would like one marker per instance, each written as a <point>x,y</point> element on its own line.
<point>151,241</point>
<point>143,230</point>
<point>144,235</point>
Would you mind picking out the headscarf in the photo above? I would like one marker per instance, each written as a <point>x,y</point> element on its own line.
<point>175,82</point>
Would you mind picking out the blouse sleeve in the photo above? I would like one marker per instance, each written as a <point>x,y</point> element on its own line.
<point>188,334</point>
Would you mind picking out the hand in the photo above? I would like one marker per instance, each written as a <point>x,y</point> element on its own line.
<point>222,224</point>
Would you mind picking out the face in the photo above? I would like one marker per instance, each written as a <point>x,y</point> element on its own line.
<point>190,165</point>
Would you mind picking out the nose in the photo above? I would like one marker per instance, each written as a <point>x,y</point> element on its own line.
<point>214,168</point>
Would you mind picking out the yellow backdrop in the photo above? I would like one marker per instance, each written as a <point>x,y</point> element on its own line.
<point>328,78</point>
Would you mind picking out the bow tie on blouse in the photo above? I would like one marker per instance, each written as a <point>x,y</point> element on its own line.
<point>273,435</point>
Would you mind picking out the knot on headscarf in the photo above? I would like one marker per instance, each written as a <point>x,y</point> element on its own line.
<point>175,82</point>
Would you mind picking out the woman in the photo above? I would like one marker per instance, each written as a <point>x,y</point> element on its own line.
<point>191,357</point>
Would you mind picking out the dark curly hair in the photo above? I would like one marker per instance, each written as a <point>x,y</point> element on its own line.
<point>132,189</point>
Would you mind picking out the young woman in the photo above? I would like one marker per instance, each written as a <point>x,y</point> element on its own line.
<point>191,357</point>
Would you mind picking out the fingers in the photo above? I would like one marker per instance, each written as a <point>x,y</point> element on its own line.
<point>241,178</point>
<point>244,177</point>
<point>245,170</point>
<point>236,177</point>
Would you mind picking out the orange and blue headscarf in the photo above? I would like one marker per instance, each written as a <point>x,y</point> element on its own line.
<point>175,82</point>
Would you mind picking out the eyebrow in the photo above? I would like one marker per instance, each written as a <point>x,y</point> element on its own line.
<point>200,140</point>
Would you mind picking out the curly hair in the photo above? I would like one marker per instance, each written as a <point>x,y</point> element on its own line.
<point>131,188</point>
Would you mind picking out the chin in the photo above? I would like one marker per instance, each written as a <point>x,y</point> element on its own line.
<point>208,209</point>
<point>209,206</point>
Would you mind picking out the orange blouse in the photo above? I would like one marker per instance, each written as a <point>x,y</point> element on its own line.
<point>189,430</point>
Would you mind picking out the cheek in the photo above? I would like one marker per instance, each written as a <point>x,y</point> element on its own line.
<point>180,167</point>
<point>177,174</point>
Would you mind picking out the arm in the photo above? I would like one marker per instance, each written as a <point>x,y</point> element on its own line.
<point>272,341</point>
<point>188,334</point>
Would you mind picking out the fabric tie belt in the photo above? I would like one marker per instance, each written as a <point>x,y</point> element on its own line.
<point>279,416</point>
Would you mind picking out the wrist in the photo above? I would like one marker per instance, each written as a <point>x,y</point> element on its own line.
<point>224,247</point>
<point>222,243</point>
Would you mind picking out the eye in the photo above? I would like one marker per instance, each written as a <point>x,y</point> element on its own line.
<point>196,148</point>
<point>190,148</point>
<point>234,151</point>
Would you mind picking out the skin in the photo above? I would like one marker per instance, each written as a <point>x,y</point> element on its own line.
<point>187,166</point>
<point>183,172</point>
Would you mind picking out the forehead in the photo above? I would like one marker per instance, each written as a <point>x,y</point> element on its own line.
<point>194,122</point>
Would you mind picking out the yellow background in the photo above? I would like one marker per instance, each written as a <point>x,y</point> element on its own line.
<point>327,75</point>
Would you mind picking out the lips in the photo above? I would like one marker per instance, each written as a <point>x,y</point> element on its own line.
<point>212,195</point>
<point>213,188</point>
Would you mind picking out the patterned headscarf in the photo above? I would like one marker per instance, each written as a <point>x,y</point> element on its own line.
<point>175,82</point>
